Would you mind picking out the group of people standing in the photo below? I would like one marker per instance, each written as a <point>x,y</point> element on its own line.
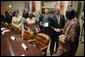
<point>66,35</point>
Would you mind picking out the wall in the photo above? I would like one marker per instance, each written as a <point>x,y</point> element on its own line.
<point>38,5</point>
<point>65,7</point>
<point>19,5</point>
<point>4,8</point>
<point>15,5</point>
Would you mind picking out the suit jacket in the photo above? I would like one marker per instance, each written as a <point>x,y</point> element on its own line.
<point>2,18</point>
<point>54,22</point>
<point>46,18</point>
<point>8,18</point>
<point>25,15</point>
<point>40,18</point>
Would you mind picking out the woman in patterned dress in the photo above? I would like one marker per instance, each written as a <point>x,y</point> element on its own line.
<point>30,22</point>
<point>68,41</point>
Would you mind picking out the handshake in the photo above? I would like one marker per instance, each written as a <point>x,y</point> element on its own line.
<point>58,30</point>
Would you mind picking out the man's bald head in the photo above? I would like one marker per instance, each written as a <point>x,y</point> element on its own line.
<point>57,10</point>
<point>46,11</point>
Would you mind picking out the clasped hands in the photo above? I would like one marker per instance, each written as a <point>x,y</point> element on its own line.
<point>19,27</point>
<point>62,38</point>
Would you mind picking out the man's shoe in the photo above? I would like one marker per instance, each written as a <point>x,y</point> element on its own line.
<point>51,53</point>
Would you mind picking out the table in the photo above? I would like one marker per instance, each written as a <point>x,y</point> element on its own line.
<point>13,47</point>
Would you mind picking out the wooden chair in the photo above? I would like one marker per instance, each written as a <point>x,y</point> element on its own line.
<point>17,30</point>
<point>10,26</point>
<point>41,42</point>
<point>5,25</point>
<point>27,35</point>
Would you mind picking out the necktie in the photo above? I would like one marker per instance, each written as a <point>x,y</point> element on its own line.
<point>58,19</point>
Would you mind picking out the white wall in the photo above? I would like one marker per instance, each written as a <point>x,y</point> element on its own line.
<point>19,5</point>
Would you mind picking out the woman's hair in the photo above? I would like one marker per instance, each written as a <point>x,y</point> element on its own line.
<point>70,13</point>
<point>15,12</point>
<point>6,12</point>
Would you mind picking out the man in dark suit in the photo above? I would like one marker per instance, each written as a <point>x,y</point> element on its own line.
<point>8,16</point>
<point>2,18</point>
<point>57,23</point>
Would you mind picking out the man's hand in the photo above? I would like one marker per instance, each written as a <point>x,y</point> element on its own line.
<point>19,28</point>
<point>61,29</point>
<point>57,30</point>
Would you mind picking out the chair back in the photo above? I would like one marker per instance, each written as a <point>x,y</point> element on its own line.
<point>10,26</point>
<point>42,40</point>
<point>5,25</point>
<point>27,35</point>
<point>17,30</point>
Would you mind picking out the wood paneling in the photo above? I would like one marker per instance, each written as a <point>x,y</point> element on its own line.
<point>4,8</point>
